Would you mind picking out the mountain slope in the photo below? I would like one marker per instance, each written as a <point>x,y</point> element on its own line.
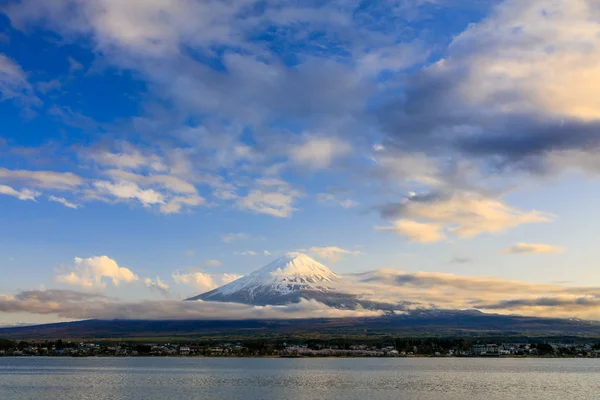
<point>439,323</point>
<point>286,280</point>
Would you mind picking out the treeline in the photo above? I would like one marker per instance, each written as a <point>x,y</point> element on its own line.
<point>6,344</point>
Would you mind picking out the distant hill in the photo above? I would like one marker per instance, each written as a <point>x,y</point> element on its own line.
<point>427,323</point>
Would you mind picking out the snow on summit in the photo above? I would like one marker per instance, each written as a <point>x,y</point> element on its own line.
<point>287,280</point>
<point>293,273</point>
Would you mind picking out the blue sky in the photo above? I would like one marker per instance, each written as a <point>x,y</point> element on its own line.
<point>153,150</point>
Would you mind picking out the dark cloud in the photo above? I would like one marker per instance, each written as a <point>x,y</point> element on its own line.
<point>460,260</point>
<point>549,302</point>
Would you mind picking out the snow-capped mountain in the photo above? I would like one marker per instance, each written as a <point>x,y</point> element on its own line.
<point>286,280</point>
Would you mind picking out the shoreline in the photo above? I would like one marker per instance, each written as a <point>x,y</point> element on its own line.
<point>307,357</point>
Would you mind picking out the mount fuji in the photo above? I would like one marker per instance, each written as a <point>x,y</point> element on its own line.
<point>287,280</point>
<point>293,278</point>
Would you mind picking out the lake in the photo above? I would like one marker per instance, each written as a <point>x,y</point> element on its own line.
<point>306,379</point>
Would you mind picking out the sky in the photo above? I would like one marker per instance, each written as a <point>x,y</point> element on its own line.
<point>151,150</point>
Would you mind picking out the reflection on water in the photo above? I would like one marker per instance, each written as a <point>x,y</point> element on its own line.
<point>328,378</point>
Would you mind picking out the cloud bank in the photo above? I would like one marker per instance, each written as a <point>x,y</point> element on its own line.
<point>76,305</point>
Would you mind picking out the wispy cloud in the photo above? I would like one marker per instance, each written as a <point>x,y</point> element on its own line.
<point>23,194</point>
<point>63,201</point>
<point>415,231</point>
<point>246,253</point>
<point>532,248</point>
<point>332,254</point>
<point>232,237</point>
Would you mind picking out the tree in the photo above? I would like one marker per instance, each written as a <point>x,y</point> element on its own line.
<point>545,349</point>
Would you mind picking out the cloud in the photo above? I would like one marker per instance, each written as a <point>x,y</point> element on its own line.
<point>129,159</point>
<point>319,152</point>
<point>429,290</point>
<point>14,84</point>
<point>270,196</point>
<point>74,65</point>
<point>213,263</point>
<point>172,194</point>
<point>175,205</point>
<point>513,91</point>
<point>94,271</point>
<point>43,179</point>
<point>277,204</point>
<point>228,278</point>
<point>531,248</point>
<point>203,281</point>
<point>460,260</point>
<point>74,305</point>
<point>330,198</point>
<point>231,237</point>
<point>405,290</point>
<point>349,203</point>
<point>465,214</point>
<point>511,67</point>
<point>157,285</point>
<point>166,182</point>
<point>332,253</point>
<point>491,102</point>
<point>415,231</point>
<point>23,194</point>
<point>63,201</point>
<point>246,253</point>
<point>267,253</point>
<point>129,190</point>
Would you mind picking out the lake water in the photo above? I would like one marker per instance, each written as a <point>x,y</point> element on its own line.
<point>305,379</point>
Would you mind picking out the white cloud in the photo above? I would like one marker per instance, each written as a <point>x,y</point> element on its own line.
<point>267,253</point>
<point>465,214</point>
<point>532,248</point>
<point>203,281</point>
<point>63,201</point>
<point>94,271</point>
<point>131,159</point>
<point>246,253</point>
<point>278,203</point>
<point>331,253</point>
<point>415,231</point>
<point>43,179</point>
<point>23,194</point>
<point>175,204</point>
<point>319,152</point>
<point>531,56</point>
<point>158,285</point>
<point>130,190</point>
<point>167,182</point>
<point>200,280</point>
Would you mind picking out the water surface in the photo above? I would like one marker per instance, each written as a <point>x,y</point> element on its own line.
<point>324,378</point>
